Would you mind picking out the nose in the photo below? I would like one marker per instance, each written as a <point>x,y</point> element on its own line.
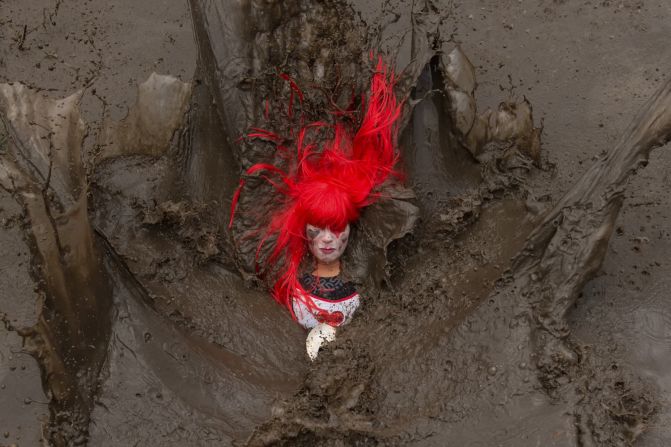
<point>328,236</point>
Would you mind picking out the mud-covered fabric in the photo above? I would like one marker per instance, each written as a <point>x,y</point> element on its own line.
<point>332,312</point>
<point>330,288</point>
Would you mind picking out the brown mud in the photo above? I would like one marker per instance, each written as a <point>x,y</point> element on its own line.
<point>514,290</point>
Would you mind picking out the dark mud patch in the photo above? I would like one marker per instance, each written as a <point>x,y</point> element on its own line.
<point>188,222</point>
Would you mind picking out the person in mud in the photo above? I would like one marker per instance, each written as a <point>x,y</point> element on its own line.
<point>335,299</point>
<point>323,190</point>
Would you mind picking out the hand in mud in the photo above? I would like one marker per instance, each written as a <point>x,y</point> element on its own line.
<point>319,335</point>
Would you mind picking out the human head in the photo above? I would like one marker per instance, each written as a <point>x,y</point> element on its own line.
<point>325,182</point>
<point>326,246</point>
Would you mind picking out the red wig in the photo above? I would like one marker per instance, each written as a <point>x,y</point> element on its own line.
<point>327,188</point>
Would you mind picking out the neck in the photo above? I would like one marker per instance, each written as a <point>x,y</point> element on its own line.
<point>326,270</point>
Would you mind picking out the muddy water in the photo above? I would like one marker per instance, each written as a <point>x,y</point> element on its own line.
<point>451,348</point>
<point>165,384</point>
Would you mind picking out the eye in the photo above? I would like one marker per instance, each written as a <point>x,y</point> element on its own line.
<point>339,233</point>
<point>312,233</point>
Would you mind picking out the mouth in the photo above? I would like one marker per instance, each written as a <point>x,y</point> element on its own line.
<point>327,251</point>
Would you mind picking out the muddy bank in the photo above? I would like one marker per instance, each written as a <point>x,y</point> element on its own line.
<point>454,334</point>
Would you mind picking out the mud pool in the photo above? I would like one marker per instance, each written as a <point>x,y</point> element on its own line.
<point>516,287</point>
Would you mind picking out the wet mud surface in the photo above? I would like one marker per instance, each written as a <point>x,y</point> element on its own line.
<point>515,287</point>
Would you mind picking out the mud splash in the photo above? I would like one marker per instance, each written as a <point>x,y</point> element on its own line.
<point>41,167</point>
<point>153,329</point>
<point>500,357</point>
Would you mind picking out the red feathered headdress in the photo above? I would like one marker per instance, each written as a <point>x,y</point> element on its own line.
<point>327,188</point>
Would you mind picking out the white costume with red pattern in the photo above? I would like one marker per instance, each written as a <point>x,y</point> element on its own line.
<point>334,302</point>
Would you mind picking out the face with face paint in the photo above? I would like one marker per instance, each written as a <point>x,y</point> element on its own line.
<point>325,245</point>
